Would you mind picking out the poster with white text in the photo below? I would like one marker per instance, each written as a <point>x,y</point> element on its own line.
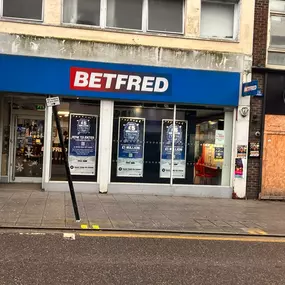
<point>82,144</point>
<point>180,144</point>
<point>130,160</point>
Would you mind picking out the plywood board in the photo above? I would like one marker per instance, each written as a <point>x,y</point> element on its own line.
<point>274,124</point>
<point>273,172</point>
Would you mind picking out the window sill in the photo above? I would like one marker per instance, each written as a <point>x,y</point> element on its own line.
<point>149,33</point>
<point>121,31</point>
<point>21,21</point>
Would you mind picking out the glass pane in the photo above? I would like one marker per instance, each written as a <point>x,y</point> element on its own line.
<point>277,32</point>
<point>142,145</point>
<point>84,12</point>
<point>80,156</point>
<point>28,9</point>
<point>277,5</point>
<point>276,58</point>
<point>217,20</point>
<point>124,14</point>
<point>29,147</point>
<point>165,15</point>
<point>137,136</point>
<point>205,145</point>
<point>6,136</point>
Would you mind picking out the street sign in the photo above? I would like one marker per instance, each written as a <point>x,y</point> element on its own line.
<point>52,101</point>
<point>250,88</point>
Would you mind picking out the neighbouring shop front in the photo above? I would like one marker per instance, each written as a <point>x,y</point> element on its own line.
<point>122,124</point>
<point>273,155</point>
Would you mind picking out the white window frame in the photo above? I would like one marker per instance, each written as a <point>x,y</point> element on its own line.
<point>144,29</point>
<point>236,21</point>
<point>15,19</point>
<point>273,49</point>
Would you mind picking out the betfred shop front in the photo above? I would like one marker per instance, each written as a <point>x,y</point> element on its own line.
<point>127,128</point>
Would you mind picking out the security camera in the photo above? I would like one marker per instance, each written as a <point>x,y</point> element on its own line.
<point>257,134</point>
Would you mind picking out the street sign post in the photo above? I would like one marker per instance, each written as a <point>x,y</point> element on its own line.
<point>54,102</point>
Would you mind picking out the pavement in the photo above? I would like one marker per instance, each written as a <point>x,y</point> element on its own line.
<point>37,209</point>
<point>47,258</point>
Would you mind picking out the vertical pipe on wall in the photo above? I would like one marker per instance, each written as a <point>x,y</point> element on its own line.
<point>172,148</point>
<point>47,156</point>
<point>105,144</point>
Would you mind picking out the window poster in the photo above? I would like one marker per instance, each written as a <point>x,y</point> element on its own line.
<point>130,159</point>
<point>219,153</point>
<point>180,144</point>
<point>82,144</point>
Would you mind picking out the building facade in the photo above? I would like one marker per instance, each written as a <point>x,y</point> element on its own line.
<point>150,91</point>
<point>265,172</point>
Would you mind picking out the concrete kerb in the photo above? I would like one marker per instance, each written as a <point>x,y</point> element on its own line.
<point>160,231</point>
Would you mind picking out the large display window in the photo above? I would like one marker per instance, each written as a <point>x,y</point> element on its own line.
<point>143,144</point>
<point>79,121</point>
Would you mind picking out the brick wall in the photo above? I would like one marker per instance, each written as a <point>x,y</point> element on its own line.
<point>260,32</point>
<point>253,169</point>
<point>256,103</point>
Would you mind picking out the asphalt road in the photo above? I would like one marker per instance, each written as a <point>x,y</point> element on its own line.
<point>50,259</point>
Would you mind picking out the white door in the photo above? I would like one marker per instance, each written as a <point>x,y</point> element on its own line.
<point>26,149</point>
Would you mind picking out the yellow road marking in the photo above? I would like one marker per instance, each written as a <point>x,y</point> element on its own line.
<point>84,226</point>
<point>184,237</point>
<point>256,232</point>
<point>95,227</point>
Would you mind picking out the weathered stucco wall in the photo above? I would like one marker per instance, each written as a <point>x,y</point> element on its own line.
<point>51,26</point>
<point>130,54</point>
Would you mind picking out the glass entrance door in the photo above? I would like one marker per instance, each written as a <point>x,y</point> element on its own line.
<point>28,146</point>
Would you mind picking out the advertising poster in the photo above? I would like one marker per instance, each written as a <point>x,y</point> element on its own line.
<point>82,144</point>
<point>241,151</point>
<point>239,170</point>
<point>220,137</point>
<point>219,153</point>
<point>130,159</point>
<point>180,144</point>
<point>254,149</point>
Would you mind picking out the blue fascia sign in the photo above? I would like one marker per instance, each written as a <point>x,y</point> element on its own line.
<point>250,88</point>
<point>101,80</point>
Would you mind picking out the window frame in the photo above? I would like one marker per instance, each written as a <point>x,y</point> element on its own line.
<point>236,20</point>
<point>144,29</point>
<point>16,19</point>
<point>269,48</point>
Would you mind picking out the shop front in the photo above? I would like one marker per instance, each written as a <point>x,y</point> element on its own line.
<point>127,128</point>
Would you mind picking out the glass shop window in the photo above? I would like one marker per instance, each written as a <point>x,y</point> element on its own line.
<point>79,122</point>
<point>142,144</point>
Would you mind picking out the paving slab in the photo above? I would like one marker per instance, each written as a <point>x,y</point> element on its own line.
<point>20,207</point>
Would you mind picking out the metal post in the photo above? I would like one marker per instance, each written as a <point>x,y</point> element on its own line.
<point>68,174</point>
<point>172,148</point>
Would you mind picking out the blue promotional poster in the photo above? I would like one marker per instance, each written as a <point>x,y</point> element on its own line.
<point>82,144</point>
<point>130,147</point>
<point>180,144</point>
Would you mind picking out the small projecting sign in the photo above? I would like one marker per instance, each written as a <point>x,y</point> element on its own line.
<point>52,101</point>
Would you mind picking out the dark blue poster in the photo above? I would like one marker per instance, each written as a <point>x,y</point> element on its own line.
<point>82,144</point>
<point>130,147</point>
<point>219,153</point>
<point>180,143</point>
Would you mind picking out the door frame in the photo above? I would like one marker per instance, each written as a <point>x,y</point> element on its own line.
<point>26,114</point>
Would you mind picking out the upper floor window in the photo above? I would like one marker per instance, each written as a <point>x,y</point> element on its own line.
<point>25,10</point>
<point>276,53</point>
<point>219,18</point>
<point>165,16</point>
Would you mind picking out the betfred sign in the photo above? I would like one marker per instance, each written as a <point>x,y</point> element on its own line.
<point>117,81</point>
